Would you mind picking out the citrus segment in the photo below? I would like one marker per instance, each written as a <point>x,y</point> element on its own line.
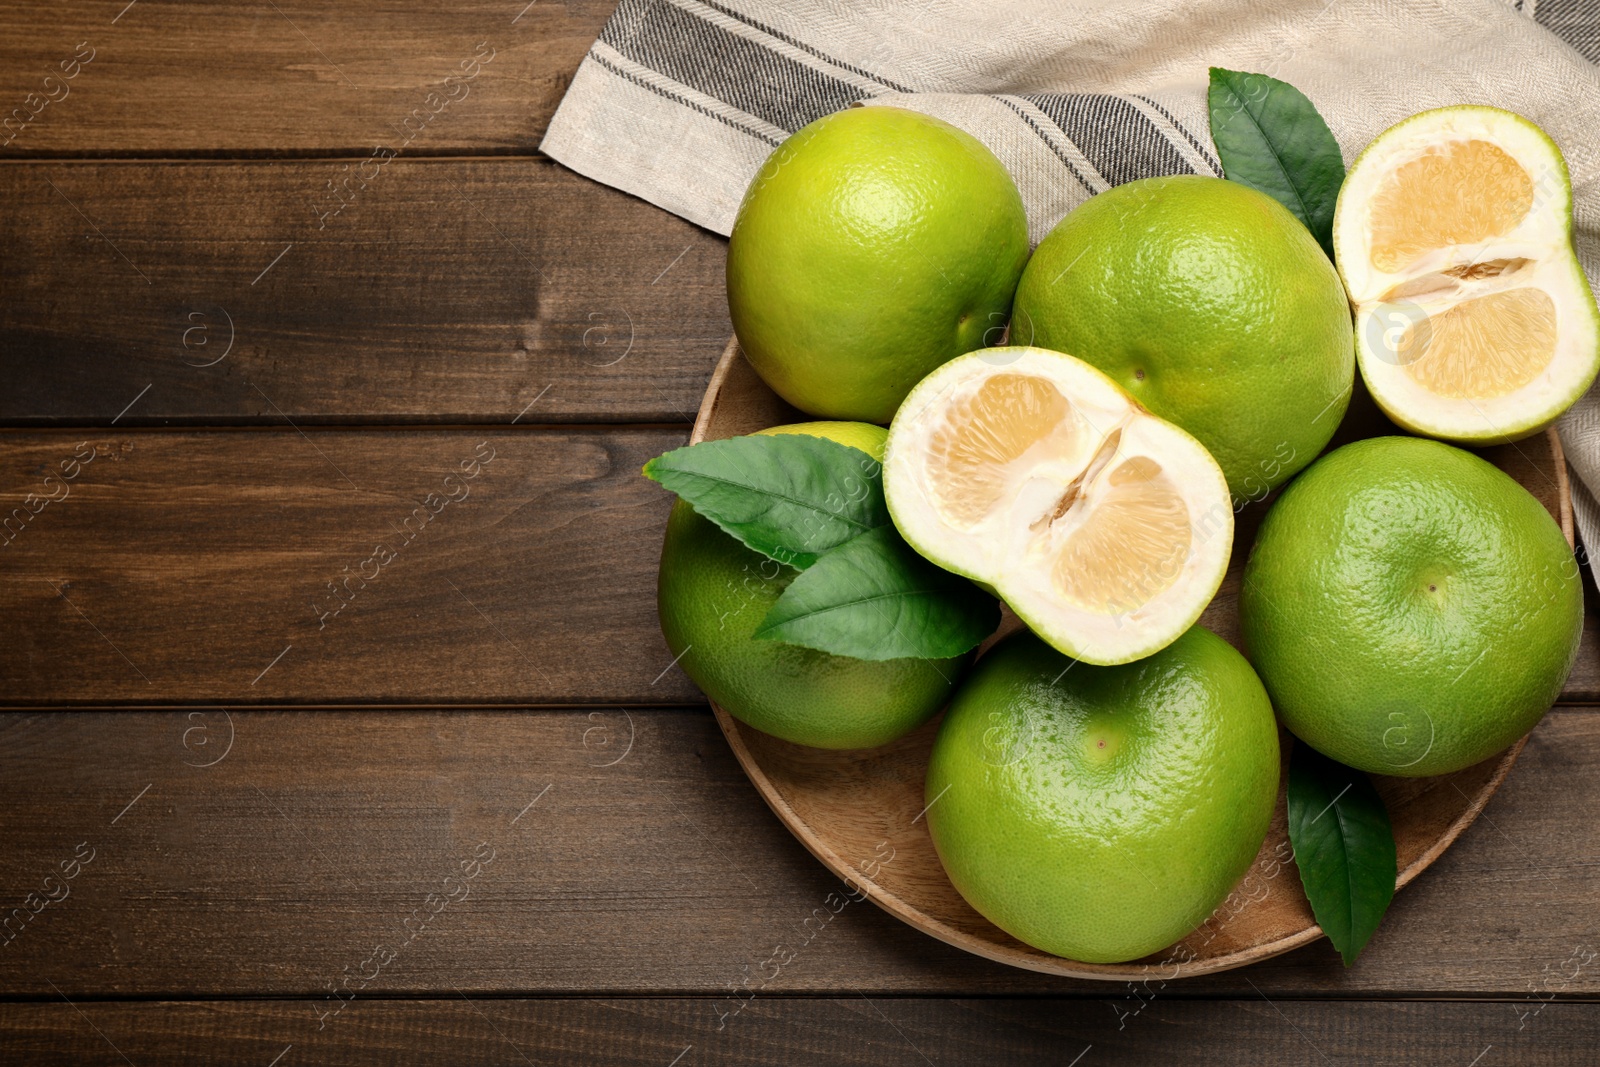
<point>1455,193</point>
<point>980,439</point>
<point>1474,322</point>
<point>1485,347</point>
<point>1104,527</point>
<point>1132,543</point>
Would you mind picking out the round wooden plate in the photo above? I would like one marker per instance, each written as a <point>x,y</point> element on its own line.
<point>860,812</point>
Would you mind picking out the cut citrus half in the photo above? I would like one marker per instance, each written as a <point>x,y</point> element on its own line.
<point>1453,234</point>
<point>1106,529</point>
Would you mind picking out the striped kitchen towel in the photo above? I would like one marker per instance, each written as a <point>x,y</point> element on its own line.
<point>680,101</point>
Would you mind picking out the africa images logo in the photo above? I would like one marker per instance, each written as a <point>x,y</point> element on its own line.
<point>1398,332</point>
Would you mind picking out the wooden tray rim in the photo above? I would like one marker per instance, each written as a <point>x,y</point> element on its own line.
<point>907,913</point>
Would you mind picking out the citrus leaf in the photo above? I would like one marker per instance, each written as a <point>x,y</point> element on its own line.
<point>1343,845</point>
<point>1271,138</point>
<point>874,598</point>
<point>791,497</point>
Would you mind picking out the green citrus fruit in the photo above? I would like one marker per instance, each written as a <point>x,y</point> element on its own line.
<point>863,435</point>
<point>1411,608</point>
<point>1453,233</point>
<point>713,592</point>
<point>1101,813</point>
<point>873,245</point>
<point>1213,306</point>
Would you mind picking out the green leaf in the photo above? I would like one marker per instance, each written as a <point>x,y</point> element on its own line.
<point>1343,845</point>
<point>1270,137</point>
<point>791,497</point>
<point>874,598</point>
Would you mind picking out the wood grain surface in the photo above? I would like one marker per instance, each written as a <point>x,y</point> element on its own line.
<point>335,567</point>
<point>846,1029</point>
<point>171,77</point>
<point>447,291</point>
<point>630,856</point>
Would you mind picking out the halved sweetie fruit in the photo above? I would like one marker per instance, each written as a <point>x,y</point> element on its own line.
<point>1453,233</point>
<point>1106,529</point>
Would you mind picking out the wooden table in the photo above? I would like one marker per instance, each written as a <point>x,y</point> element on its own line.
<point>340,728</point>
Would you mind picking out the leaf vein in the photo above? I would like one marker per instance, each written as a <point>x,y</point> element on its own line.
<point>1283,168</point>
<point>798,502</point>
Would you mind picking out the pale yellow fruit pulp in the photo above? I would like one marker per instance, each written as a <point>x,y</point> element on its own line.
<point>978,445</point>
<point>1457,193</point>
<point>1131,547</point>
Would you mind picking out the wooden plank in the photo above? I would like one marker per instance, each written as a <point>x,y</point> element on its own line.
<point>167,77</point>
<point>324,855</point>
<point>842,1029</point>
<point>445,291</point>
<point>537,587</point>
<point>334,567</point>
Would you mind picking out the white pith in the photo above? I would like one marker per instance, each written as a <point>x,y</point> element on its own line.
<point>1015,546</point>
<point>1542,238</point>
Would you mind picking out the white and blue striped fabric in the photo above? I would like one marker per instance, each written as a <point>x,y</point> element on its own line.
<point>680,101</point>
